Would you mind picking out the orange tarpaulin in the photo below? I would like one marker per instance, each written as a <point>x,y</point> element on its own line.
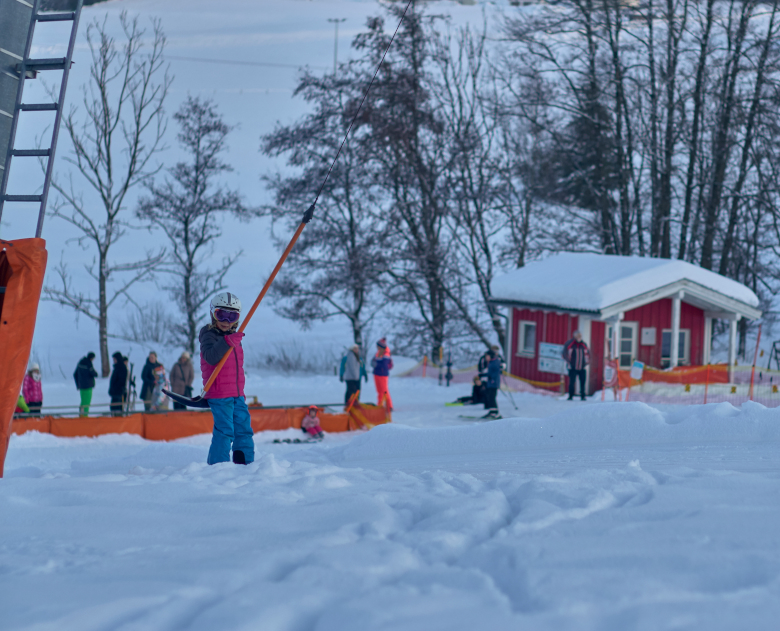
<point>173,425</point>
<point>97,426</point>
<point>22,267</point>
<point>714,373</point>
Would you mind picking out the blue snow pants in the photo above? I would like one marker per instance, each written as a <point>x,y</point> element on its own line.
<point>231,426</point>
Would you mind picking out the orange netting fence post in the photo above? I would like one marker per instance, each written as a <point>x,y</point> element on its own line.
<point>425,364</point>
<point>706,383</point>
<point>755,358</point>
<point>22,266</point>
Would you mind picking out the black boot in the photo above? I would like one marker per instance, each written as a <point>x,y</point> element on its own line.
<point>238,457</point>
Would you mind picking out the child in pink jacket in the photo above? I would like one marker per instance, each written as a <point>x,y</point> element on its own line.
<point>32,390</point>
<point>311,423</point>
<point>232,425</point>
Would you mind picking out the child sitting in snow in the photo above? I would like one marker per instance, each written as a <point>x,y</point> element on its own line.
<point>232,425</point>
<point>159,399</point>
<point>311,423</point>
<point>477,394</point>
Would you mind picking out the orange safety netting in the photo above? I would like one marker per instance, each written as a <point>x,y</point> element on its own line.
<point>466,375</point>
<point>22,267</point>
<point>173,425</point>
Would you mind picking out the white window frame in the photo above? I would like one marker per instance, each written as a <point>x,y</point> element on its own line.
<point>522,351</point>
<point>683,354</point>
<point>634,326</point>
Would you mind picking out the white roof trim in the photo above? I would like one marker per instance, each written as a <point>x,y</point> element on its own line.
<point>713,300</point>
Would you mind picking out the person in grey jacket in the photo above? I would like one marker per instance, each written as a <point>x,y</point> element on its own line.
<point>182,376</point>
<point>352,369</point>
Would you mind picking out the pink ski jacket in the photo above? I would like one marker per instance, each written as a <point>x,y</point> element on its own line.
<point>31,389</point>
<point>213,345</point>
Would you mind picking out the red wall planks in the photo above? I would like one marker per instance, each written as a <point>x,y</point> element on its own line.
<point>597,354</point>
<point>658,314</point>
<point>555,328</point>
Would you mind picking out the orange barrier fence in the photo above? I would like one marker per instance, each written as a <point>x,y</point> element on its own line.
<point>466,375</point>
<point>22,267</point>
<point>690,385</point>
<point>173,425</point>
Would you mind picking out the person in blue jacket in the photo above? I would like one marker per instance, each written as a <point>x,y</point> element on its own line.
<point>382,363</point>
<point>494,368</point>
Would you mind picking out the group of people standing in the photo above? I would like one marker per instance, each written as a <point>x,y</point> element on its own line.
<point>353,369</point>
<point>154,379</point>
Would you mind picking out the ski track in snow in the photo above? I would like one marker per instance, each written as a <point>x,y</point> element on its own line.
<point>599,516</point>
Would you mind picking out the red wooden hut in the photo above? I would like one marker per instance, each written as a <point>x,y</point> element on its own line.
<point>657,311</point>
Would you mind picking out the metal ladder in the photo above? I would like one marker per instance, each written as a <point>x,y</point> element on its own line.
<point>28,68</point>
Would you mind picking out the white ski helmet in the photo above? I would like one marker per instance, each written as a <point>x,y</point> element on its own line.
<point>227,301</point>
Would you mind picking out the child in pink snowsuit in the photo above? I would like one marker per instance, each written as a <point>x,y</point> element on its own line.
<point>311,423</point>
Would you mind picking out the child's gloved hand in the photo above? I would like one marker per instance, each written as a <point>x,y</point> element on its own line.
<point>234,339</point>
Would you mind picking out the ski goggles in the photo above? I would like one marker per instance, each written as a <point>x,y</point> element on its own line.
<point>223,315</point>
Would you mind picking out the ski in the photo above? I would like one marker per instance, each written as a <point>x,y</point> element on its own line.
<point>293,441</point>
<point>480,418</point>
<point>196,402</point>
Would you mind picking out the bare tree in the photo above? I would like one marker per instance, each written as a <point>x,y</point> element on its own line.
<point>186,208</point>
<point>113,148</point>
<point>338,263</point>
<point>476,182</point>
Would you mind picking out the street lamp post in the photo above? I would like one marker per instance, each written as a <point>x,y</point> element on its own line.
<point>336,42</point>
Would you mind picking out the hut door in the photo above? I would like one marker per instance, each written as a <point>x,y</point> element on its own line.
<point>627,343</point>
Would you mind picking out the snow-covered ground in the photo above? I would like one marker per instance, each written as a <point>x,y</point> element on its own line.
<point>577,516</point>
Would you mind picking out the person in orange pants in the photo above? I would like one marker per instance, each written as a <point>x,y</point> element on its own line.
<point>382,364</point>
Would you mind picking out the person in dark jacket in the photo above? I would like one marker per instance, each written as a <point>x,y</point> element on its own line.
<point>117,386</point>
<point>182,376</point>
<point>351,371</point>
<point>494,368</point>
<point>84,375</point>
<point>148,380</point>
<point>477,394</point>
<point>482,365</point>
<point>577,357</point>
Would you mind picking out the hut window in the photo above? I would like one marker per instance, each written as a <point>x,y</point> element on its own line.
<point>526,339</point>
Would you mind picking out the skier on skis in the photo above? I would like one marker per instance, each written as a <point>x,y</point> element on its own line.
<point>382,364</point>
<point>494,367</point>
<point>232,425</point>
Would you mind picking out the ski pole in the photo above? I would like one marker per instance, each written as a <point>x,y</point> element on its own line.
<point>307,216</point>
<point>508,393</point>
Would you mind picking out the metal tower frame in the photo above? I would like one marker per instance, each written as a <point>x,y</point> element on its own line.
<point>27,68</point>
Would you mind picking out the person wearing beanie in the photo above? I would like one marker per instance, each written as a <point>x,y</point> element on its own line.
<point>492,385</point>
<point>84,375</point>
<point>32,390</point>
<point>117,385</point>
<point>182,376</point>
<point>382,364</point>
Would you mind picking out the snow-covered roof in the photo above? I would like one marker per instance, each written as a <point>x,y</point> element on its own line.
<point>602,283</point>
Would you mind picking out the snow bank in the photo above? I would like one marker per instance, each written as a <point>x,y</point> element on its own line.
<point>604,425</point>
<point>602,516</point>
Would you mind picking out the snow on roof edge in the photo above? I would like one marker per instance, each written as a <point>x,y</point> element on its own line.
<point>594,282</point>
